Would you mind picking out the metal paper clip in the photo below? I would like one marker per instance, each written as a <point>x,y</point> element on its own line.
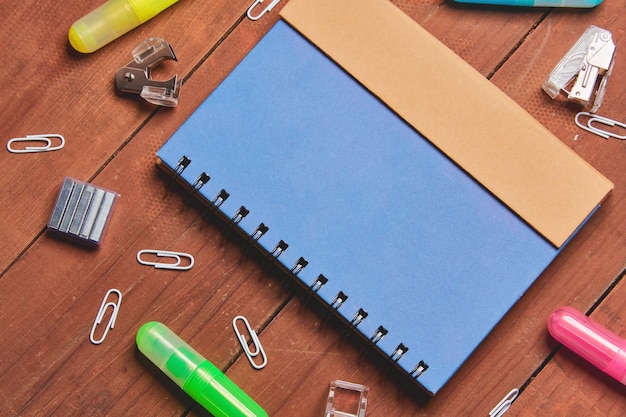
<point>266,10</point>
<point>589,60</point>
<point>258,349</point>
<point>594,118</point>
<point>504,405</point>
<point>103,308</point>
<point>135,76</point>
<point>177,256</point>
<point>46,139</point>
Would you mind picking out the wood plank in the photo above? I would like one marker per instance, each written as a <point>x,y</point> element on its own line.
<point>53,292</point>
<point>56,299</point>
<point>593,259</point>
<point>50,295</point>
<point>570,386</point>
<point>53,89</point>
<point>480,384</point>
<point>483,37</point>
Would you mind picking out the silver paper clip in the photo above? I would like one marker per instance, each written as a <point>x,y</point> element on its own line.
<point>504,405</point>
<point>590,60</point>
<point>135,76</point>
<point>594,118</point>
<point>177,256</point>
<point>266,10</point>
<point>103,308</point>
<point>258,349</point>
<point>46,139</point>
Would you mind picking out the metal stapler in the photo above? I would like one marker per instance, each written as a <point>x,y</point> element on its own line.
<point>590,60</point>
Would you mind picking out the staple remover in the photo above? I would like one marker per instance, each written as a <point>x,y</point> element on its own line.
<point>135,77</point>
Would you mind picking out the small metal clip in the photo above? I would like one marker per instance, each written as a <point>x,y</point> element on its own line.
<point>103,308</point>
<point>594,118</point>
<point>47,147</point>
<point>135,76</point>
<point>346,399</point>
<point>163,254</point>
<point>266,10</point>
<point>504,404</point>
<point>590,59</point>
<point>258,349</point>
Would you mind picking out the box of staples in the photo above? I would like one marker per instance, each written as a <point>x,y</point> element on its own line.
<point>81,212</point>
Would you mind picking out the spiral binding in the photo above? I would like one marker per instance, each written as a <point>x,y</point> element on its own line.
<point>182,164</point>
<point>340,298</point>
<point>398,352</point>
<point>419,369</point>
<point>378,334</point>
<point>299,265</point>
<point>260,231</point>
<point>240,215</point>
<point>199,183</point>
<point>220,198</point>
<point>358,317</point>
<point>279,248</point>
<point>319,282</point>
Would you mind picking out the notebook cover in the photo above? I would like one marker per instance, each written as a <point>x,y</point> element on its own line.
<point>456,108</point>
<point>393,223</point>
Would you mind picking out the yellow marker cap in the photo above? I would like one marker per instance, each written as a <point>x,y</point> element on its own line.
<point>111,20</point>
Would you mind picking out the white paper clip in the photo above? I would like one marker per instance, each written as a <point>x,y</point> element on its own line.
<point>266,10</point>
<point>504,405</point>
<point>594,118</point>
<point>258,349</point>
<point>177,256</point>
<point>46,139</point>
<point>103,308</point>
<point>590,60</point>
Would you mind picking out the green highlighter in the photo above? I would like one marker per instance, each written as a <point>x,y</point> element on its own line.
<point>198,377</point>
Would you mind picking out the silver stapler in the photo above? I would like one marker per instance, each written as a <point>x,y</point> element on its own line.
<point>590,61</point>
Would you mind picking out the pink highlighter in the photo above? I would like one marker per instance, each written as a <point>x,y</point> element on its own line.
<point>598,345</point>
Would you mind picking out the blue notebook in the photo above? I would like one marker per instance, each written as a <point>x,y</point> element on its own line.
<point>417,257</point>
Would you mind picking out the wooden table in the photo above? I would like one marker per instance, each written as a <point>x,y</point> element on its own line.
<point>50,290</point>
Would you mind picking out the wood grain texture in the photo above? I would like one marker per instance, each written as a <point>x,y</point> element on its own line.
<point>50,290</point>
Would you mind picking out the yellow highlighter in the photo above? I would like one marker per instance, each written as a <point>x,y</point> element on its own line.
<point>111,20</point>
